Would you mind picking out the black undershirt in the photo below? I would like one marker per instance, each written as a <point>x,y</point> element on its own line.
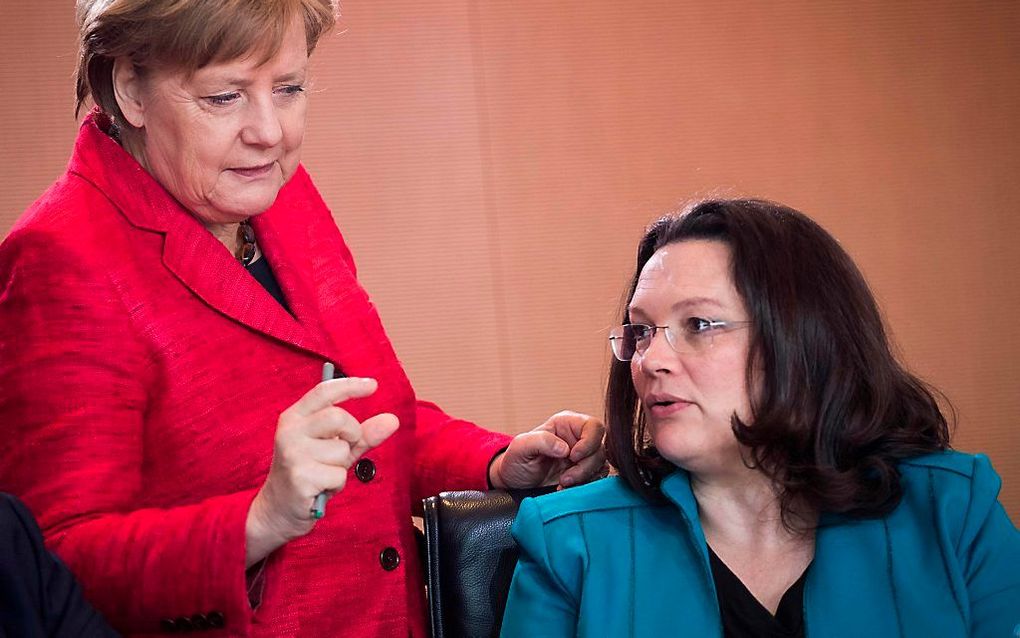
<point>744,617</point>
<point>263,274</point>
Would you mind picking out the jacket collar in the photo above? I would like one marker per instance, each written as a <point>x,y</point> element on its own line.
<point>676,487</point>
<point>194,256</point>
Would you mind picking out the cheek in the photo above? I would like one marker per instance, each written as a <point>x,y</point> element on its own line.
<point>636,378</point>
<point>211,147</point>
<point>174,162</point>
<point>197,152</point>
<point>293,137</point>
<point>726,383</point>
<point>752,395</point>
<point>294,128</point>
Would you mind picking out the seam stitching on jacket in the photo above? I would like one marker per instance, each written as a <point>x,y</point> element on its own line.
<point>892,580</point>
<point>933,506</point>
<point>633,574</point>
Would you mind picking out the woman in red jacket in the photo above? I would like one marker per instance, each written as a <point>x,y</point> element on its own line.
<point>166,311</point>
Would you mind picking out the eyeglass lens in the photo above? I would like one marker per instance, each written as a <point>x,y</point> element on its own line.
<point>631,339</point>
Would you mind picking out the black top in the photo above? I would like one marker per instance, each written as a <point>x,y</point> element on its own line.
<point>263,274</point>
<point>39,596</point>
<point>744,617</point>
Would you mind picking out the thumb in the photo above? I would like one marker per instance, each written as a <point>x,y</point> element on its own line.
<point>374,431</point>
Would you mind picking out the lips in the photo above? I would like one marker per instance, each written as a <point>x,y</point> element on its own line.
<point>663,405</point>
<point>253,171</point>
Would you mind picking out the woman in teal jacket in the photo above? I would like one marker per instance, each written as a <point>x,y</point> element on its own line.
<point>781,474</point>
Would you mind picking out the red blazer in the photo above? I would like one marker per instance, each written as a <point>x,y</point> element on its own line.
<point>142,371</point>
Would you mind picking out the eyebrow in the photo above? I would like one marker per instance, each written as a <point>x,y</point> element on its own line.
<point>683,304</point>
<point>292,76</point>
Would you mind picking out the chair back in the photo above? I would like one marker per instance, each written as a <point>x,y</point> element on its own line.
<point>470,560</point>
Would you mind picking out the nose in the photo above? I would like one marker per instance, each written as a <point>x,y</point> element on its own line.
<point>658,356</point>
<point>263,126</point>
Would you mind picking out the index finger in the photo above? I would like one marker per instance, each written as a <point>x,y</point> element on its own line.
<point>569,426</point>
<point>590,439</point>
<point>332,392</point>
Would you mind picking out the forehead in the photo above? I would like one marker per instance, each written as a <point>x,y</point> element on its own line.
<point>693,272</point>
<point>289,59</point>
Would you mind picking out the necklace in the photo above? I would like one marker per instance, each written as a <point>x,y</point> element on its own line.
<point>246,239</point>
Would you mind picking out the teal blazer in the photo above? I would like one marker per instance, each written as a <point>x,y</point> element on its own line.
<point>599,560</point>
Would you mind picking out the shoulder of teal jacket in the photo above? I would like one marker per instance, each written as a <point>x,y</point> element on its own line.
<point>949,460</point>
<point>558,531</point>
<point>950,471</point>
<point>602,495</point>
<point>962,491</point>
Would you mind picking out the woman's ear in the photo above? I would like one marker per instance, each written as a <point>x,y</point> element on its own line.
<point>127,88</point>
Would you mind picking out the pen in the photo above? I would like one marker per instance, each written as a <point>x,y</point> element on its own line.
<point>319,506</point>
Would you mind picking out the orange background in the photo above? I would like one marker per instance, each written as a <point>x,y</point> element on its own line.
<point>493,164</point>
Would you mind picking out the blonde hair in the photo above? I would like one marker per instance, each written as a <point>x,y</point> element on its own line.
<point>182,35</point>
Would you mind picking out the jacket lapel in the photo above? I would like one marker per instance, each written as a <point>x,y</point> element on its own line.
<point>205,266</point>
<point>848,590</point>
<point>698,599</point>
<point>285,245</point>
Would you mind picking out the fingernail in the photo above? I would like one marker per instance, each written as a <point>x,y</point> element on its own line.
<point>562,449</point>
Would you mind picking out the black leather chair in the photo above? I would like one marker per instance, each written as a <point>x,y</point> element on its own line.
<point>470,559</point>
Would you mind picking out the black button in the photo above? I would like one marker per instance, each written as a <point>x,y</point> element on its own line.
<point>389,558</point>
<point>338,373</point>
<point>365,470</point>
<point>216,619</point>
<point>183,623</point>
<point>200,621</point>
<point>168,625</point>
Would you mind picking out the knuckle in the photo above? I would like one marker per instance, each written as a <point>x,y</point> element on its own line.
<point>337,413</point>
<point>333,417</point>
<point>324,389</point>
<point>304,481</point>
<point>325,392</point>
<point>353,431</point>
<point>286,421</point>
<point>338,479</point>
<point>288,451</point>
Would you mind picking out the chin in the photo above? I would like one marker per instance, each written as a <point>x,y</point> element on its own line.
<point>674,447</point>
<point>250,206</point>
<point>687,449</point>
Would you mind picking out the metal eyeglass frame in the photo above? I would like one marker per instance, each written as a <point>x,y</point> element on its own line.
<point>712,327</point>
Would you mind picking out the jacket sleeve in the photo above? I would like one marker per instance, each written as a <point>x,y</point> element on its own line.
<point>989,550</point>
<point>74,384</point>
<point>451,454</point>
<point>544,593</point>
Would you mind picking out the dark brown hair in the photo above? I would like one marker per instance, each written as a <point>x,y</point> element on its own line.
<point>182,35</point>
<point>834,410</point>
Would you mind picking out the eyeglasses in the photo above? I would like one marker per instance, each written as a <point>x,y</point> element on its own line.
<point>693,335</point>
